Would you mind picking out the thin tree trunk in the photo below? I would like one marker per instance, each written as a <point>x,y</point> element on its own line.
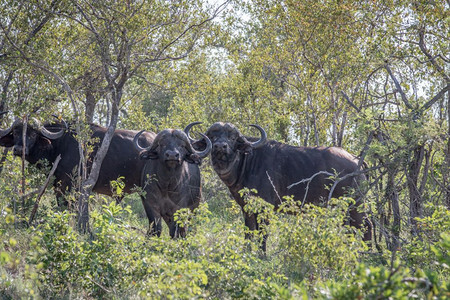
<point>415,198</point>
<point>24,140</point>
<point>334,121</point>
<point>42,190</point>
<point>89,183</point>
<point>3,108</point>
<point>447,155</point>
<point>90,107</point>
<point>392,196</point>
<point>341,131</point>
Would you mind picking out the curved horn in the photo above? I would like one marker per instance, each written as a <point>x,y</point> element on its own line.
<point>4,132</point>
<point>136,142</point>
<point>188,128</point>
<point>204,153</point>
<point>201,154</point>
<point>62,121</point>
<point>263,138</point>
<point>48,134</point>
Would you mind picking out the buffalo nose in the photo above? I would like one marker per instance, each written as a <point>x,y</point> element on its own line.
<point>172,155</point>
<point>220,146</point>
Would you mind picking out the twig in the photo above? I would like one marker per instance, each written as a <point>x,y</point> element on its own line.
<point>43,188</point>
<point>308,180</point>
<point>99,285</point>
<point>276,192</point>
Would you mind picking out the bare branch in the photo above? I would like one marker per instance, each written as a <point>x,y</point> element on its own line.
<point>432,59</point>
<point>273,186</point>
<point>350,102</point>
<point>43,188</point>
<point>435,98</point>
<point>215,14</point>
<point>308,181</point>
<point>398,86</point>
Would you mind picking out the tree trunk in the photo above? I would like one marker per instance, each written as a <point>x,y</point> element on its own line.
<point>90,106</point>
<point>447,155</point>
<point>415,198</point>
<point>334,121</point>
<point>340,136</point>
<point>89,183</point>
<point>392,196</point>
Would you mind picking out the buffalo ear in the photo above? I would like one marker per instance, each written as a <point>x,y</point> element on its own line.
<point>244,147</point>
<point>43,143</point>
<point>148,155</point>
<point>7,141</point>
<point>193,159</point>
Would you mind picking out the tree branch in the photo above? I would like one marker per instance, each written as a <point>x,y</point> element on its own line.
<point>398,86</point>
<point>435,98</point>
<point>43,188</point>
<point>432,59</point>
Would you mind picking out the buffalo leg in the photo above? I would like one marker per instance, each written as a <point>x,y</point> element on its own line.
<point>154,223</point>
<point>360,220</point>
<point>61,190</point>
<point>175,230</point>
<point>265,235</point>
<point>251,222</point>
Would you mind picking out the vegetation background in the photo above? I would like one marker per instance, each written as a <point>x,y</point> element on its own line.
<point>369,76</point>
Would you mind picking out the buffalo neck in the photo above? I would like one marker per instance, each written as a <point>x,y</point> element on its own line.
<point>46,152</point>
<point>170,178</point>
<point>235,177</point>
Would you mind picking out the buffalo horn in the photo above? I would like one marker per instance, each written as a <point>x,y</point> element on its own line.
<point>188,128</point>
<point>4,132</point>
<point>204,153</point>
<point>136,142</point>
<point>48,134</point>
<point>263,138</point>
<point>62,121</point>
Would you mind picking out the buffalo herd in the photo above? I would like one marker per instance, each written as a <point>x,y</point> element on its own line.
<point>165,166</point>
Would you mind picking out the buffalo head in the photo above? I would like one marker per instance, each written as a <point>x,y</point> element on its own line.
<point>36,136</point>
<point>227,144</point>
<point>172,147</point>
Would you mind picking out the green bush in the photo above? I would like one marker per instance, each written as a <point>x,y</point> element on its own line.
<point>314,243</point>
<point>381,282</point>
<point>427,250</point>
<point>310,255</point>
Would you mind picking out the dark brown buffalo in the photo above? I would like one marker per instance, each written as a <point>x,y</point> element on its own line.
<point>271,167</point>
<point>171,177</point>
<point>48,141</point>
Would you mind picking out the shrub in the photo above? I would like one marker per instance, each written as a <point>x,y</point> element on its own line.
<point>315,244</point>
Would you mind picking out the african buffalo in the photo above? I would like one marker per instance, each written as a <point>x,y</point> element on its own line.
<point>171,176</point>
<point>46,142</point>
<point>271,167</point>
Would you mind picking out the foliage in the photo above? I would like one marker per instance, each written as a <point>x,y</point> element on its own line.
<point>213,261</point>
<point>317,243</point>
<point>380,282</point>
<point>430,250</point>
